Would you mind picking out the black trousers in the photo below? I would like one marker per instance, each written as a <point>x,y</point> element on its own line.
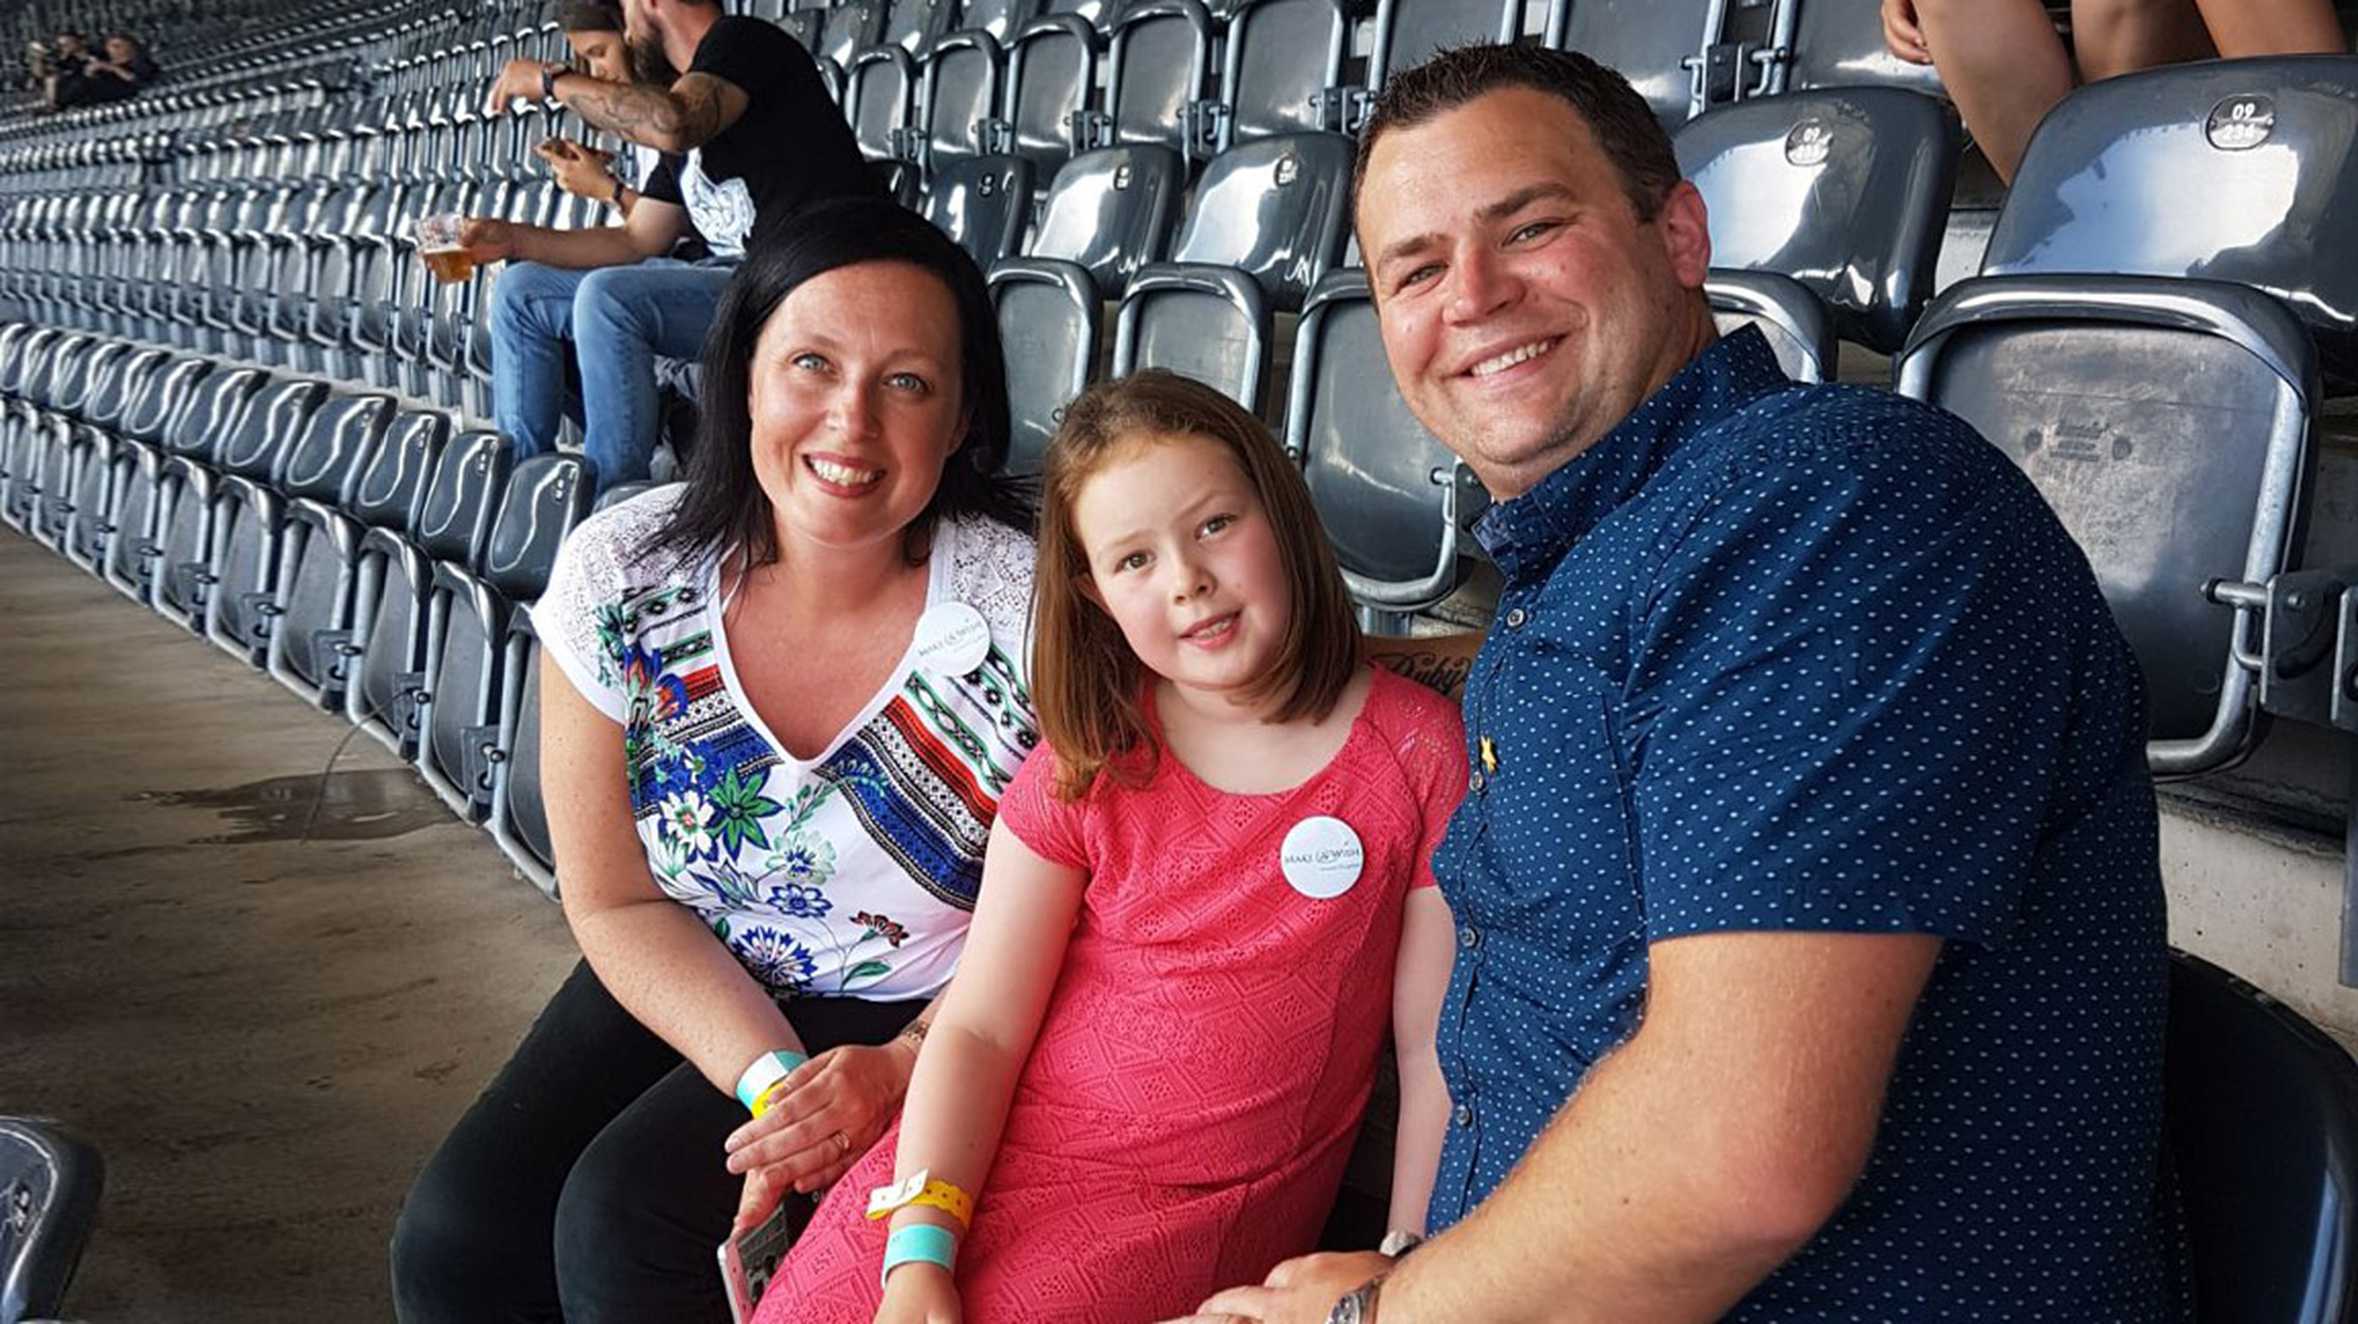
<point>586,1184</point>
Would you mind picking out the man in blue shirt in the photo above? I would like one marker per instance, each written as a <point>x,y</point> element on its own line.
<point>1812,957</point>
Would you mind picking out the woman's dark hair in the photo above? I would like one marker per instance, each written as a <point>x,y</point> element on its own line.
<point>723,505</point>
<point>589,16</point>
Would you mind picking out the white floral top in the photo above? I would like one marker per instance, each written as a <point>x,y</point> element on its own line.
<point>853,874</point>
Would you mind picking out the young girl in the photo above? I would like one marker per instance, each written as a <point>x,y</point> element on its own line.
<point>1202,904</point>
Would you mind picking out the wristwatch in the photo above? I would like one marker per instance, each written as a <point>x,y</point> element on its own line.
<point>548,81</point>
<point>1359,1307</point>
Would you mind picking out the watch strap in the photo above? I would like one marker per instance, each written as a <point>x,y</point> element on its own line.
<point>548,81</point>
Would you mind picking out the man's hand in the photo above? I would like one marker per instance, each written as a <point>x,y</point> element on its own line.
<point>487,239</point>
<point>518,80</point>
<point>1302,1291</point>
<point>580,171</point>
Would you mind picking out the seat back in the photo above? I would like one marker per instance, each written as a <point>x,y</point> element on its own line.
<point>1000,18</point>
<point>879,87</point>
<point>325,461</point>
<point>1048,327</point>
<point>2168,423</point>
<point>983,202</point>
<point>1282,59</point>
<point>545,497</point>
<point>617,493</point>
<point>912,25</point>
<point>454,521</point>
<point>2261,1113</point>
<point>1051,76</point>
<point>111,405</point>
<point>1277,209</point>
<point>269,428</point>
<point>1839,43</point>
<point>1652,43</point>
<point>1158,64</point>
<point>523,818</point>
<point>2272,144</point>
<point>1845,191</point>
<point>49,1187</point>
<point>1387,491</point>
<point>1111,211</point>
<point>961,95</point>
<point>100,368</point>
<point>213,413</point>
<point>391,489</point>
<point>849,28</point>
<point>151,413</point>
<point>1410,32</point>
<point>58,373</point>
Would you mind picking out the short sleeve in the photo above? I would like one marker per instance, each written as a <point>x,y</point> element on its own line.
<point>663,182</point>
<point>581,617</point>
<point>1847,713</point>
<point>1032,811</point>
<point>746,51</point>
<point>1431,748</point>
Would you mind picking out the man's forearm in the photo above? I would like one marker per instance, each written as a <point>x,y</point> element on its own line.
<point>649,116</point>
<point>593,246</point>
<point>1620,1213</point>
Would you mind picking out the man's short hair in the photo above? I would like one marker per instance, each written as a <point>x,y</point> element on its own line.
<point>1624,125</point>
<point>589,16</point>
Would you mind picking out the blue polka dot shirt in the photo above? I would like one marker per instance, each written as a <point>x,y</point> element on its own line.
<point>1773,657</point>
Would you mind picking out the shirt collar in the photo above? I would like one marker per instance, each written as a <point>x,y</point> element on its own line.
<point>1534,530</point>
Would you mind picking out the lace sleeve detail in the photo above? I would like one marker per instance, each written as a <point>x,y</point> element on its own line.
<point>602,565</point>
<point>991,570</point>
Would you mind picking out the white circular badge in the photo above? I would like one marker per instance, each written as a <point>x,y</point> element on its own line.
<point>1322,857</point>
<point>952,638</point>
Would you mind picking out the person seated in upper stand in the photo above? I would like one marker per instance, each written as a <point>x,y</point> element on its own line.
<point>118,77</point>
<point>67,64</point>
<point>594,31</point>
<point>748,88</point>
<point>1812,962</point>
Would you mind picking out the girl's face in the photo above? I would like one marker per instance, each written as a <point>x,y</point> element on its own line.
<point>118,50</point>
<point>602,53</point>
<point>856,403</point>
<point>1181,555</point>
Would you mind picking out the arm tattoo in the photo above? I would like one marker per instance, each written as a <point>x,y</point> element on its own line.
<point>1440,672</point>
<point>670,119</point>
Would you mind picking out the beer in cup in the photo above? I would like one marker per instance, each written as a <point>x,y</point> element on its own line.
<point>438,247</point>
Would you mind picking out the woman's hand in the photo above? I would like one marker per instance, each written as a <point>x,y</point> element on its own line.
<point>919,1294</point>
<point>580,171</point>
<point>1903,33</point>
<point>821,1119</point>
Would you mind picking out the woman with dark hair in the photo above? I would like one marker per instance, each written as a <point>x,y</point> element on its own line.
<point>780,702</point>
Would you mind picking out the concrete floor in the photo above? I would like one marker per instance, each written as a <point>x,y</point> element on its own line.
<point>264,1034</point>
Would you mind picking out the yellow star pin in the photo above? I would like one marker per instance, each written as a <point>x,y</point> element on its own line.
<point>1489,757</point>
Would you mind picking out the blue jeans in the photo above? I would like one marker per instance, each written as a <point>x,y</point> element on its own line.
<point>618,320</point>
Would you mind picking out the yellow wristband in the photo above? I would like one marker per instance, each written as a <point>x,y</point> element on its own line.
<point>921,1189</point>
<point>763,1100</point>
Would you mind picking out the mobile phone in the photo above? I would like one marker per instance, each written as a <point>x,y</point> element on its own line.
<point>751,1258</point>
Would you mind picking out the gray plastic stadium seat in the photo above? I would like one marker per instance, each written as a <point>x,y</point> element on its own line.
<point>1158,67</point>
<point>1393,499</point>
<point>519,813</point>
<point>466,628</point>
<point>148,425</point>
<point>1111,211</point>
<point>1281,72</point>
<point>879,89</point>
<point>1269,219</point>
<point>2169,424</point>
<point>1655,44</point>
<point>847,29</point>
<point>2264,155</point>
<point>1048,327</point>
<point>1839,43</point>
<point>323,464</point>
<point>913,25</point>
<point>1000,18</point>
<point>617,493</point>
<point>961,98</point>
<point>319,564</point>
<point>221,564</point>
<point>1051,78</point>
<point>983,202</point>
<point>184,486</point>
<point>49,1187</point>
<point>1844,191</point>
<point>1785,311</point>
<point>1410,32</point>
<point>2261,1113</point>
<point>396,575</point>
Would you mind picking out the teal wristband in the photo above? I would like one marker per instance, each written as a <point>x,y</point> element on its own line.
<point>920,1243</point>
<point>766,1070</point>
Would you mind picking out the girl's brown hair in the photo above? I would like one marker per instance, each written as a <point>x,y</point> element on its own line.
<point>1087,686</point>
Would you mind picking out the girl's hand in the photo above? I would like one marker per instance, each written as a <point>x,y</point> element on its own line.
<point>919,1294</point>
<point>825,1115</point>
<point>579,170</point>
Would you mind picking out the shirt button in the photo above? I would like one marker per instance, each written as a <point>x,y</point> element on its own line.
<point>1515,618</point>
<point>1476,781</point>
<point>1469,937</point>
<point>1465,1114</point>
